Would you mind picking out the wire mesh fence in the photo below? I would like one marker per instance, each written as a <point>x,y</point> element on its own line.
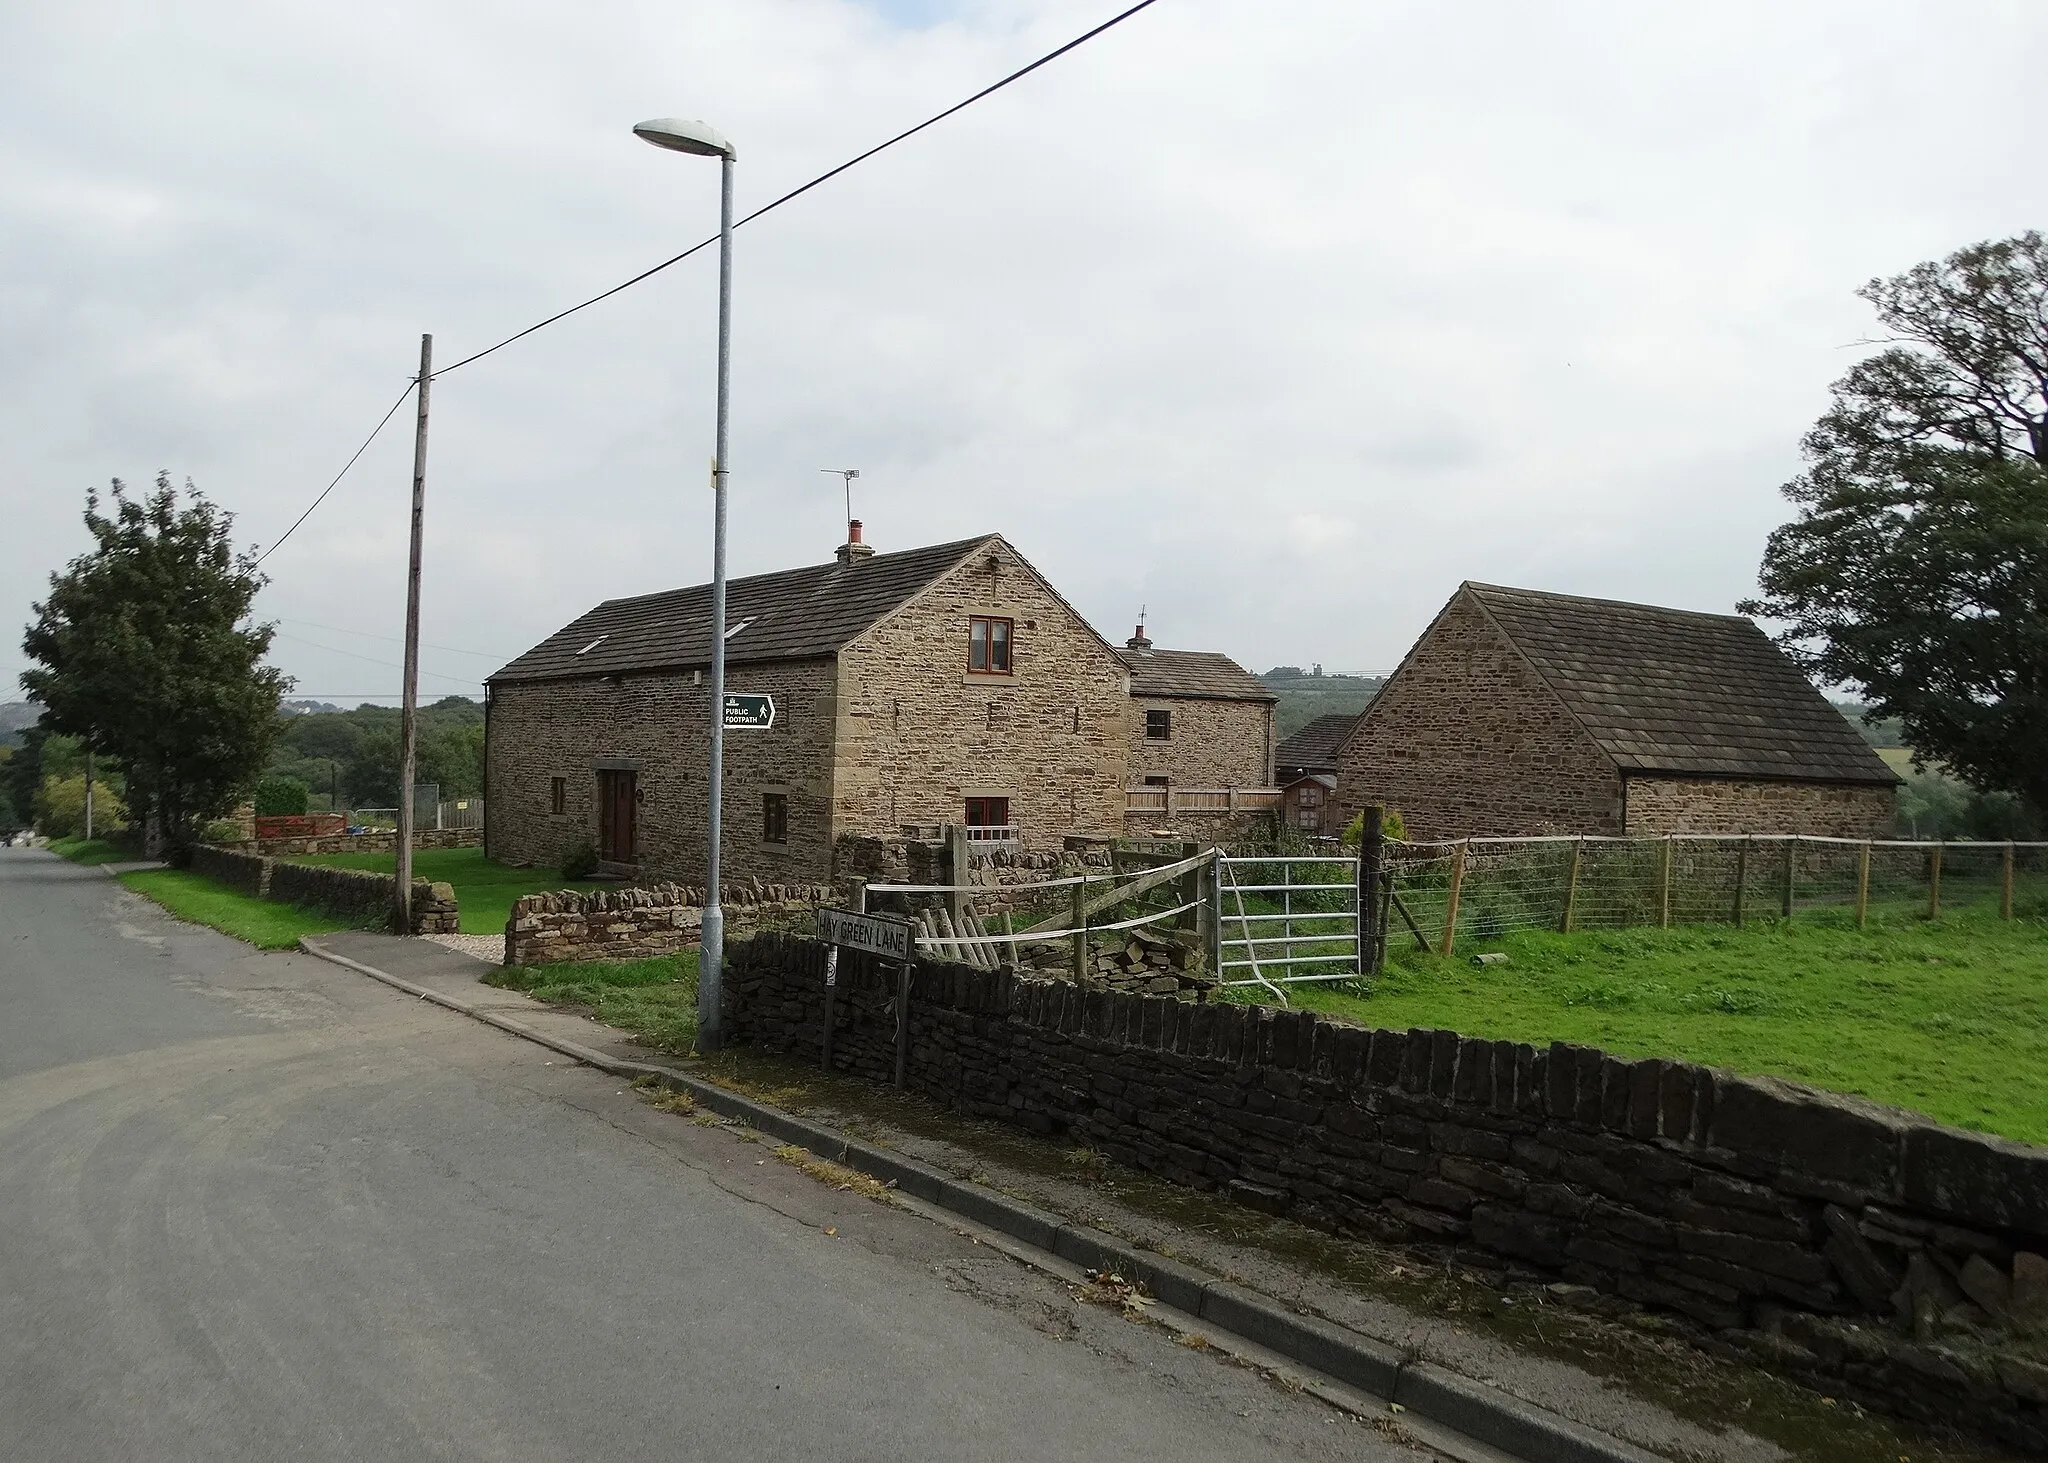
<point>1484,888</point>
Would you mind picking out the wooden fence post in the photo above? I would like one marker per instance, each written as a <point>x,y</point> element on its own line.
<point>1571,886</point>
<point>1741,877</point>
<point>1934,883</point>
<point>2005,883</point>
<point>1078,922</point>
<point>959,861</point>
<point>1862,884</point>
<point>902,1022</point>
<point>1791,872</point>
<point>1371,850</point>
<point>1664,887</point>
<point>1450,936</point>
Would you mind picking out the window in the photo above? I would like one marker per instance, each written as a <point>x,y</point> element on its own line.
<point>558,796</point>
<point>1155,782</point>
<point>1158,726</point>
<point>774,817</point>
<point>988,812</point>
<point>988,645</point>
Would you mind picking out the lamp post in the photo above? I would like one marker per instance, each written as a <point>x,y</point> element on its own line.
<point>702,141</point>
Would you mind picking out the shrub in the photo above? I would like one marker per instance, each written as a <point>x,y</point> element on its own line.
<point>281,797</point>
<point>222,830</point>
<point>579,862</point>
<point>1392,825</point>
<point>60,808</point>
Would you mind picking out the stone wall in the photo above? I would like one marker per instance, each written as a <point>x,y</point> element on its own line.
<point>351,894</point>
<point>657,724</point>
<point>1862,1248</point>
<point>1466,740</point>
<point>359,842</point>
<point>1212,743</point>
<point>1702,805</point>
<point>918,733</point>
<point>637,924</point>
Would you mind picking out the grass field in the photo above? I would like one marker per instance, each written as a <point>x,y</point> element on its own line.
<point>655,999</point>
<point>484,891</point>
<point>91,851</point>
<point>1946,1017</point>
<point>264,923</point>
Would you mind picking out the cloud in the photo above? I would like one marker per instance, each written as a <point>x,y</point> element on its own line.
<point>1281,320</point>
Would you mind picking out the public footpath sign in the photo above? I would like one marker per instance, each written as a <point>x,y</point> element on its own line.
<point>876,934</point>
<point>745,712</point>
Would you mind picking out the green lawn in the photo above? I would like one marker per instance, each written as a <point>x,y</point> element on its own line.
<point>484,891</point>
<point>91,851</point>
<point>264,923</point>
<point>1946,1017</point>
<point>655,999</point>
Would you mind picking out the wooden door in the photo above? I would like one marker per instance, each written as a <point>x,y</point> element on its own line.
<point>617,796</point>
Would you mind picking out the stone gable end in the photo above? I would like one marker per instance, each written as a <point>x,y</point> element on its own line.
<point>1212,743</point>
<point>1465,740</point>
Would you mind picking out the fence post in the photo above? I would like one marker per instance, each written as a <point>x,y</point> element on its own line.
<point>1371,850</point>
<point>1934,883</point>
<point>1213,906</point>
<point>1078,922</point>
<point>902,1021</point>
<point>1664,887</point>
<point>1863,884</point>
<point>831,981</point>
<point>1190,891</point>
<point>2005,883</point>
<point>1571,887</point>
<point>959,862</point>
<point>1450,937</point>
<point>1791,871</point>
<point>1741,877</point>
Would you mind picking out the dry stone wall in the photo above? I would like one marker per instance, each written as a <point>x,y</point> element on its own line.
<point>1859,1247</point>
<point>638,924</point>
<point>1706,805</point>
<point>351,894</point>
<point>1467,741</point>
<point>358,842</point>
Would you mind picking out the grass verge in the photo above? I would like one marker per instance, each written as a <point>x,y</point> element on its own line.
<point>91,851</point>
<point>1946,1017</point>
<point>484,891</point>
<point>264,923</point>
<point>656,1000</point>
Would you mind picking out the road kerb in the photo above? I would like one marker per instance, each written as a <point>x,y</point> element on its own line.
<point>1358,1364</point>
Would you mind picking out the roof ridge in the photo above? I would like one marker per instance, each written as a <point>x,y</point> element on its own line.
<point>1613,604</point>
<point>867,563</point>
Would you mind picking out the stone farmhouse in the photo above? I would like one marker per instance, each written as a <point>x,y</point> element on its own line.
<point>950,684</point>
<point>1198,719</point>
<point>1520,712</point>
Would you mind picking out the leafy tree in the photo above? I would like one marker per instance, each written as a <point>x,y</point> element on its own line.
<point>371,773</point>
<point>454,758</point>
<point>1917,568</point>
<point>280,797</point>
<point>140,650</point>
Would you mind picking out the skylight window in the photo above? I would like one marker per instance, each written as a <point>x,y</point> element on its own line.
<point>594,644</point>
<point>732,630</point>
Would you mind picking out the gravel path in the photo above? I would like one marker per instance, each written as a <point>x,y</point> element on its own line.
<point>490,948</point>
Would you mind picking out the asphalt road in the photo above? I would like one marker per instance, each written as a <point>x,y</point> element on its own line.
<point>258,1207</point>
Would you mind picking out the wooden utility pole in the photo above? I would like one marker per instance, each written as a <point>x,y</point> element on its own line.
<point>408,723</point>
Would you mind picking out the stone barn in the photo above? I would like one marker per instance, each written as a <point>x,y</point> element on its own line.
<point>1198,719</point>
<point>1521,712</point>
<point>945,684</point>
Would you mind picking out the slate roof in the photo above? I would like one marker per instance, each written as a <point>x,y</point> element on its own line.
<point>1203,675</point>
<point>1680,692</point>
<point>793,614</point>
<point>1317,744</point>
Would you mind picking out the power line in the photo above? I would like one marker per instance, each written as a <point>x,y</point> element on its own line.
<point>395,640</point>
<point>338,476</point>
<point>798,192</point>
<point>371,659</point>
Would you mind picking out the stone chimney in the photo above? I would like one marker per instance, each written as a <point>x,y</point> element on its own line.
<point>853,548</point>
<point>1138,641</point>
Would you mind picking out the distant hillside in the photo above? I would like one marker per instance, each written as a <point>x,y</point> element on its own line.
<point>17,717</point>
<point>1306,694</point>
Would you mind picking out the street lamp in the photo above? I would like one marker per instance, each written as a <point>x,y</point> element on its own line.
<point>702,141</point>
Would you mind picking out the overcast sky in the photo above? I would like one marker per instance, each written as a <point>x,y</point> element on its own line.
<point>1280,319</point>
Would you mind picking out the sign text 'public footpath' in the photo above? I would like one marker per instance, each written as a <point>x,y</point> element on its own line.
<point>876,934</point>
<point>745,711</point>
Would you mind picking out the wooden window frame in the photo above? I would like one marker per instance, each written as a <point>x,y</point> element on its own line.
<point>1164,723</point>
<point>775,818</point>
<point>984,806</point>
<point>987,642</point>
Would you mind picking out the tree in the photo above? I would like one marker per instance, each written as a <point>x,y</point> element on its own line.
<point>1917,568</point>
<point>141,650</point>
<point>280,797</point>
<point>371,772</point>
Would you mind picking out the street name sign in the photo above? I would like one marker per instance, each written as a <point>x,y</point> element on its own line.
<point>876,934</point>
<point>747,712</point>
